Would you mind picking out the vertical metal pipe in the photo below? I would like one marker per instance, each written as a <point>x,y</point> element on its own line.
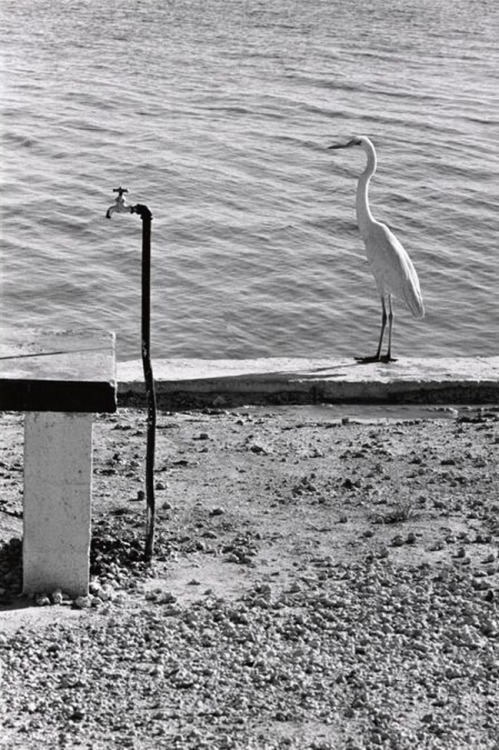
<point>121,206</point>
<point>146,216</point>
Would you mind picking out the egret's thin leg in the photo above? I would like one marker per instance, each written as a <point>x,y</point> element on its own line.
<point>377,356</point>
<point>388,356</point>
<point>383,326</point>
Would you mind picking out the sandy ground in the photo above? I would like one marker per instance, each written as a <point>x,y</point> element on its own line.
<point>276,511</point>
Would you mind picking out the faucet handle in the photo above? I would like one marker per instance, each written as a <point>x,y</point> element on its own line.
<point>120,191</point>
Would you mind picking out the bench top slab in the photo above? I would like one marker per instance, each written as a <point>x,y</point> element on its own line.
<point>63,371</point>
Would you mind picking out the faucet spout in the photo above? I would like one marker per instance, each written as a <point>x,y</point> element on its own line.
<point>120,204</point>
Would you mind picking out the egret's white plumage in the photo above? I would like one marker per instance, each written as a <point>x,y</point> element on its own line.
<point>392,268</point>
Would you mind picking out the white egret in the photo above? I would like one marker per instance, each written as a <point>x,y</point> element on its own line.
<point>391,266</point>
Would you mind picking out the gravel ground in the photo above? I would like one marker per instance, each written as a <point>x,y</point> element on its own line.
<point>320,582</point>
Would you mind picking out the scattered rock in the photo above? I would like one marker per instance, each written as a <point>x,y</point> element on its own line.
<point>83,602</point>
<point>217,511</point>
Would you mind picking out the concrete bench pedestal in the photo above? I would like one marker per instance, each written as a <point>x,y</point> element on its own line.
<point>57,502</point>
<point>59,380</point>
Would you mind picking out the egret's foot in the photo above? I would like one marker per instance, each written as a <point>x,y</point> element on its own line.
<point>386,358</point>
<point>367,360</point>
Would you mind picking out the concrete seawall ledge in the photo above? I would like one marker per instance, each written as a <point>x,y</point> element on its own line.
<point>194,383</point>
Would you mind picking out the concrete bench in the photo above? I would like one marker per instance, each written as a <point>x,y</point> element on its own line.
<point>59,380</point>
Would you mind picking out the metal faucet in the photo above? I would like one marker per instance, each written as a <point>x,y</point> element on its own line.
<point>120,205</point>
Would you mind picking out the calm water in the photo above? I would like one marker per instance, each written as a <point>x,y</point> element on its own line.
<point>216,114</point>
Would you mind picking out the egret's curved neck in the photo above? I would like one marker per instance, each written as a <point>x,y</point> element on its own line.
<point>364,216</point>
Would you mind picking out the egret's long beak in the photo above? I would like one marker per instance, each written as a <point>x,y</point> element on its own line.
<point>341,145</point>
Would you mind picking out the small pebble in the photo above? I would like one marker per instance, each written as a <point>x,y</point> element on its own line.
<point>490,558</point>
<point>57,597</point>
<point>217,511</point>
<point>83,602</point>
<point>398,541</point>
